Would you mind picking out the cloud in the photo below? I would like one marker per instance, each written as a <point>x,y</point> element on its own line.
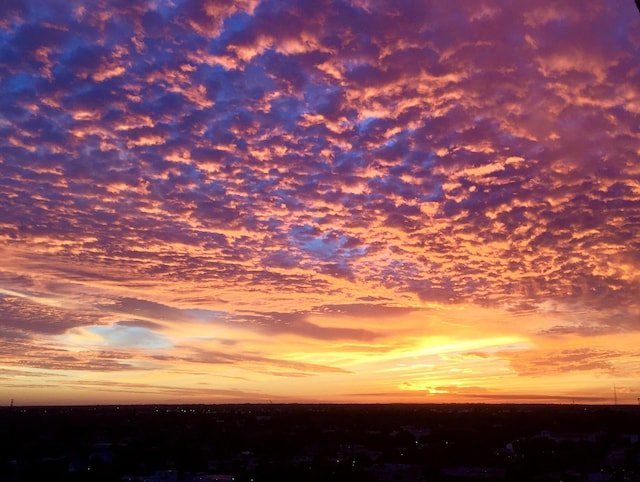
<point>167,392</point>
<point>147,310</point>
<point>297,324</point>
<point>364,310</point>
<point>23,316</point>
<point>549,362</point>
<point>250,167</point>
<point>130,336</point>
<point>30,354</point>
<point>272,365</point>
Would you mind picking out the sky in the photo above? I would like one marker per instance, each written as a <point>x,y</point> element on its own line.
<point>350,201</point>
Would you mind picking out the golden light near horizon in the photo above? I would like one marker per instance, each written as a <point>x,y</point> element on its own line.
<point>334,201</point>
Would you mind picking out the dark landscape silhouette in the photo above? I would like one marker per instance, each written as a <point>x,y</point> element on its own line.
<point>307,442</point>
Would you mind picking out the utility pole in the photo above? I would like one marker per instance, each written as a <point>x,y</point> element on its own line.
<point>12,403</point>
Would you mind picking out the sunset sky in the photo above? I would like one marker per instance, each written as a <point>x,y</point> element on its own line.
<point>319,201</point>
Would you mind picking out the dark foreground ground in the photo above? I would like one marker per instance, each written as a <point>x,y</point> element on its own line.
<point>395,443</point>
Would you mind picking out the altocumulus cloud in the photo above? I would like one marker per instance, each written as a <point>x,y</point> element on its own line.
<point>242,170</point>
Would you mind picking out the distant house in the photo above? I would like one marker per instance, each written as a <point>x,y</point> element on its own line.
<point>103,452</point>
<point>212,478</point>
<point>397,473</point>
<point>417,432</point>
<point>163,476</point>
<point>170,475</point>
<point>475,473</point>
<point>599,477</point>
<point>568,437</point>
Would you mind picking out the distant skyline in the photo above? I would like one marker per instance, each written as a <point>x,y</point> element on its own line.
<point>319,201</point>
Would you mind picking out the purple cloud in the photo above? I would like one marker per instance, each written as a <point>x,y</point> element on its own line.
<point>176,156</point>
